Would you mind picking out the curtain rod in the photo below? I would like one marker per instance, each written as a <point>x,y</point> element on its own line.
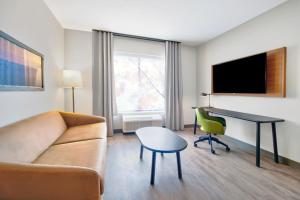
<point>138,37</point>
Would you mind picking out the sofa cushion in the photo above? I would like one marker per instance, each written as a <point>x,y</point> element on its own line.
<point>83,132</point>
<point>77,119</point>
<point>25,140</point>
<point>89,153</point>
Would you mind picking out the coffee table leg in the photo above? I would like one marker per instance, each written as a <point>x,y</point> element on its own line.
<point>153,168</point>
<point>179,165</point>
<point>141,152</point>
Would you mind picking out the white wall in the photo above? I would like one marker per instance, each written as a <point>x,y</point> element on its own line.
<point>33,24</point>
<point>276,28</point>
<point>78,55</point>
<point>189,65</point>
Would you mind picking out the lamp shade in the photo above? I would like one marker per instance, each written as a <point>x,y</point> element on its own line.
<point>72,78</point>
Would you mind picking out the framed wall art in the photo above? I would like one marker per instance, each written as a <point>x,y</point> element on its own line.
<point>21,68</point>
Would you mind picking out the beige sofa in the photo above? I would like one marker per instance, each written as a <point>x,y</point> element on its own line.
<point>54,155</point>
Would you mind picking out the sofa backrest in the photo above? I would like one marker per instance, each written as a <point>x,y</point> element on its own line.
<point>25,140</point>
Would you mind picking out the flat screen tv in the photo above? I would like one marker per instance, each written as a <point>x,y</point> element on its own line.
<point>245,75</point>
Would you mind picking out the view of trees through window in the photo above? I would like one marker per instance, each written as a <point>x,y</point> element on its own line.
<point>139,82</point>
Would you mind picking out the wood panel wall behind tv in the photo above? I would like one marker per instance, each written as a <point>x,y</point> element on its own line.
<point>276,72</point>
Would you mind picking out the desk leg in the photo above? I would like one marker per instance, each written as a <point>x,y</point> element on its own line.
<point>258,144</point>
<point>195,124</point>
<point>275,142</point>
<point>179,165</point>
<point>141,152</point>
<point>153,168</point>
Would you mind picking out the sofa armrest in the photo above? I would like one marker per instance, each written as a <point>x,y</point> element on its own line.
<point>32,181</point>
<point>76,119</point>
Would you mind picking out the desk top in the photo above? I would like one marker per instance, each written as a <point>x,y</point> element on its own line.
<point>160,139</point>
<point>241,115</point>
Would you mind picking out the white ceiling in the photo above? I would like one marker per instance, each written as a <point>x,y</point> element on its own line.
<point>188,21</point>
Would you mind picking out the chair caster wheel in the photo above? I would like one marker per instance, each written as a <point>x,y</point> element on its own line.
<point>195,145</point>
<point>227,149</point>
<point>213,151</point>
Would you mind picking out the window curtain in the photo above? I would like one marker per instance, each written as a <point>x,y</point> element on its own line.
<point>173,101</point>
<point>103,77</point>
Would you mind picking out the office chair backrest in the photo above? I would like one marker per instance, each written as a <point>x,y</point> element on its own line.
<point>201,115</point>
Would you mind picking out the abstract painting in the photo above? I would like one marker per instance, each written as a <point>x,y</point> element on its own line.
<point>21,68</point>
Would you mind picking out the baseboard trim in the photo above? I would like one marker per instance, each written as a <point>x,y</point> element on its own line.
<point>189,126</point>
<point>118,131</point>
<point>250,147</point>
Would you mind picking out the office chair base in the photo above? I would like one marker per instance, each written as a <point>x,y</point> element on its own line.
<point>210,139</point>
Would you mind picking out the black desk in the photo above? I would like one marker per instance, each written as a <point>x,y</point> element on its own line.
<point>258,119</point>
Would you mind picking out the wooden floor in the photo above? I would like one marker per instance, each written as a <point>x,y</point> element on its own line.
<point>206,176</point>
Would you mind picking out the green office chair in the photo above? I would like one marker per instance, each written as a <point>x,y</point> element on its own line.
<point>210,125</point>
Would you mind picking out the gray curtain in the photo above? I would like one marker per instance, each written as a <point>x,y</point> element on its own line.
<point>103,77</point>
<point>173,101</point>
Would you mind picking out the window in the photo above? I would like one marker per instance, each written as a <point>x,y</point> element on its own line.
<point>139,81</point>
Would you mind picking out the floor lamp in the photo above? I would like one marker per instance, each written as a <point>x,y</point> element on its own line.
<point>72,79</point>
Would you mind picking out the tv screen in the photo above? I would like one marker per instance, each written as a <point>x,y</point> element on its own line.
<point>245,75</point>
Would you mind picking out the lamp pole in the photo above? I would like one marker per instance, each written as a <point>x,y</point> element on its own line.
<point>73,99</point>
<point>72,79</point>
<point>206,94</point>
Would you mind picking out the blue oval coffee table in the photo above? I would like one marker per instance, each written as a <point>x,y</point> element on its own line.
<point>161,140</point>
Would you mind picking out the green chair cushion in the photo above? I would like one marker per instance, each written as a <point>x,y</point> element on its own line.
<point>210,124</point>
